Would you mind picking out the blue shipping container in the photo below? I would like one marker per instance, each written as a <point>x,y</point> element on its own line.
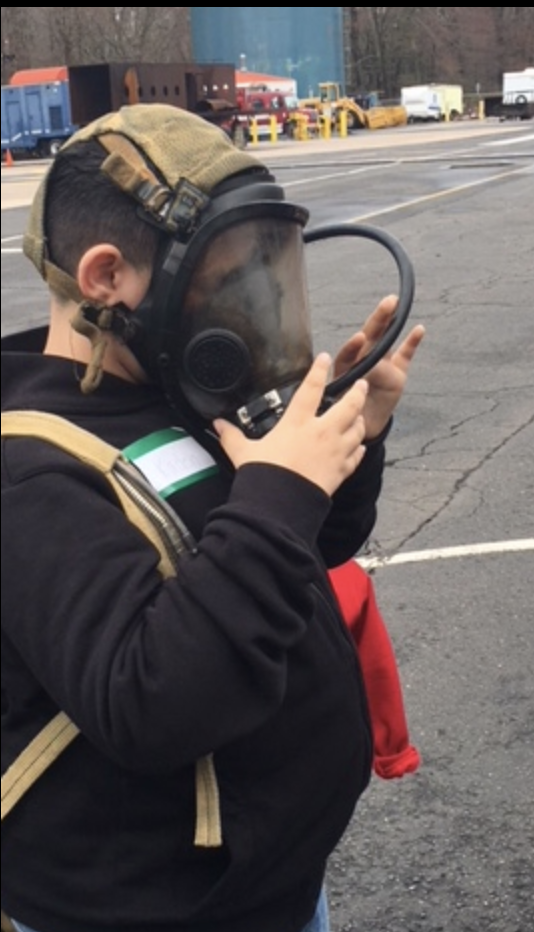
<point>36,118</point>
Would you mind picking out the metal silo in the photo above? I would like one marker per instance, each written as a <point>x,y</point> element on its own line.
<point>305,43</point>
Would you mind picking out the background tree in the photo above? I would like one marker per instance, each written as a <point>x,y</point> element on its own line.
<point>41,36</point>
<point>388,47</point>
<point>384,47</point>
<point>16,34</point>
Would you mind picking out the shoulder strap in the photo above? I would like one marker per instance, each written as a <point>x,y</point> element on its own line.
<point>35,759</point>
<point>5,923</point>
<point>170,537</point>
<point>94,452</point>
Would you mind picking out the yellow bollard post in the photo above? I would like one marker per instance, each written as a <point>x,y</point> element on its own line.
<point>481,110</point>
<point>326,127</point>
<point>273,128</point>
<point>302,127</point>
<point>254,131</point>
<point>343,127</point>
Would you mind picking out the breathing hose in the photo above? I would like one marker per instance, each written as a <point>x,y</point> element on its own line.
<point>406,292</point>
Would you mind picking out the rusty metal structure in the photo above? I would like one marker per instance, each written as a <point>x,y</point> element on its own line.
<point>206,89</point>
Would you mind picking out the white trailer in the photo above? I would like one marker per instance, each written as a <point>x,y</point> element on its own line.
<point>425,102</point>
<point>518,87</point>
<point>516,100</point>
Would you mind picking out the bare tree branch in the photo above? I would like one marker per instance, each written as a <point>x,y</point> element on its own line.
<point>384,47</point>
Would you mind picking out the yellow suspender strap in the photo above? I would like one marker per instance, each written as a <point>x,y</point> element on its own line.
<point>5,923</point>
<point>59,733</point>
<point>35,759</point>
<point>90,450</point>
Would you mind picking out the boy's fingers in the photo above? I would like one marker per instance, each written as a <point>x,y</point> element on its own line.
<point>408,347</point>
<point>308,395</point>
<point>347,409</point>
<point>378,322</point>
<point>230,437</point>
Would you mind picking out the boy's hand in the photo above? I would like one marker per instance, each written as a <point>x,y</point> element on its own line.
<point>324,449</point>
<point>388,377</point>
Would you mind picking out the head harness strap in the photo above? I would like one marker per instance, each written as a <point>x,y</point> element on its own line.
<point>175,210</point>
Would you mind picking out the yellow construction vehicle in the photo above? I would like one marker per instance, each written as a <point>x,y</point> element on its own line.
<point>331,104</point>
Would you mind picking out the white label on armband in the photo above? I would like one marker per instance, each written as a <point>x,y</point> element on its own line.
<point>171,460</point>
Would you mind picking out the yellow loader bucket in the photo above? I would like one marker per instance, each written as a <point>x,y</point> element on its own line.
<point>382,117</point>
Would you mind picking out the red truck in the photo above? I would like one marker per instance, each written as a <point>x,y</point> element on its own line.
<point>260,104</point>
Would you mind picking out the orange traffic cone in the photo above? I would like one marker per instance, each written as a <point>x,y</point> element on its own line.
<point>9,159</point>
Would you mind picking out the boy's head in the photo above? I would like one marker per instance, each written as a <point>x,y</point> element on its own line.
<point>221,311</point>
<point>109,181</point>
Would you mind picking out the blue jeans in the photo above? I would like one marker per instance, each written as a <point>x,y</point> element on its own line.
<point>319,923</point>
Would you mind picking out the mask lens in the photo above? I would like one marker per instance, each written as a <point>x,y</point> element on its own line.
<point>244,322</point>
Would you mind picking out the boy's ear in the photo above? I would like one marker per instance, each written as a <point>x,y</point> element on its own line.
<point>101,273</point>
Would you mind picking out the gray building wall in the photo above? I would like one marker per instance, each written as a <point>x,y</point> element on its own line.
<point>305,43</point>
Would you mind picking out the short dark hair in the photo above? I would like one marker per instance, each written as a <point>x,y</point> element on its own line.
<point>84,207</point>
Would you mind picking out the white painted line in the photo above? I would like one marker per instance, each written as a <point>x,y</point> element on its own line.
<point>445,553</point>
<point>434,196</point>
<point>10,239</point>
<point>509,142</point>
<point>11,250</point>
<point>365,169</point>
<point>438,195</point>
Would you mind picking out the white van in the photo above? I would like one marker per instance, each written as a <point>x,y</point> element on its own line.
<point>425,102</point>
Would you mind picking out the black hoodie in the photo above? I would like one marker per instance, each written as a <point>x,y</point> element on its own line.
<point>243,655</point>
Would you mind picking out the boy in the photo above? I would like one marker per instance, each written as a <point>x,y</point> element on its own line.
<point>158,328</point>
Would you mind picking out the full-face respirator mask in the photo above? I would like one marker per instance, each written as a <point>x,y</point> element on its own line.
<point>226,327</point>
